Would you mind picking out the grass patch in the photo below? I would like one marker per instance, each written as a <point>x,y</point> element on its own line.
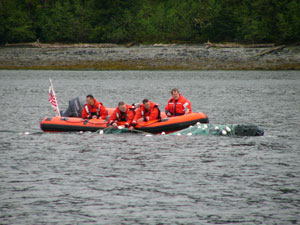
<point>155,65</point>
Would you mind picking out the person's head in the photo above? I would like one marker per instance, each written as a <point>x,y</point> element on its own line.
<point>146,104</point>
<point>90,99</point>
<point>122,106</point>
<point>175,93</point>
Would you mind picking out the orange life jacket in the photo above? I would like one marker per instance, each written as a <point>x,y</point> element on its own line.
<point>178,107</point>
<point>152,114</point>
<point>97,109</point>
<point>127,116</point>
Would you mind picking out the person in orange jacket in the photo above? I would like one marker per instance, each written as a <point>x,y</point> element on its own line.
<point>146,112</point>
<point>93,109</point>
<point>123,112</point>
<point>177,105</point>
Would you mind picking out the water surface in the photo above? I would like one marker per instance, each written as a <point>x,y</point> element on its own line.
<point>70,178</point>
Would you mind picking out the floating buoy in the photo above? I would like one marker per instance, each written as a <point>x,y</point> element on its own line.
<point>223,130</point>
<point>163,133</point>
<point>120,127</point>
<point>198,123</point>
<point>228,129</point>
<point>101,132</point>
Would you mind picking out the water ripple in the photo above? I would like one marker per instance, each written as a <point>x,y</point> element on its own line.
<point>80,178</point>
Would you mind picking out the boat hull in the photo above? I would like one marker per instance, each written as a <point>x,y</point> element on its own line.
<point>172,124</point>
<point>167,125</point>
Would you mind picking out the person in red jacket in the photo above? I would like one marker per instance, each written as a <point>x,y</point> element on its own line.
<point>177,105</point>
<point>123,112</point>
<point>146,112</point>
<point>93,109</point>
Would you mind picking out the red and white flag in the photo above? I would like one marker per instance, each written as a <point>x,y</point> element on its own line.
<point>53,99</point>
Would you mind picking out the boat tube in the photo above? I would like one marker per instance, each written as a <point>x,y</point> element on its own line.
<point>172,124</point>
<point>166,124</point>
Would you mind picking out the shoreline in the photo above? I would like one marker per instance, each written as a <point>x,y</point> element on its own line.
<point>150,57</point>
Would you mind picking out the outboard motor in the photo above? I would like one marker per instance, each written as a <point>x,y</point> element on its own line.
<point>74,109</point>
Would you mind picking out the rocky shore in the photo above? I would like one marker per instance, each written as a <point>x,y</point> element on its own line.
<point>150,57</point>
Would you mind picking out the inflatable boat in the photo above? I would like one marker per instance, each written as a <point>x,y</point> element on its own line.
<point>172,124</point>
<point>71,121</point>
<point>166,124</point>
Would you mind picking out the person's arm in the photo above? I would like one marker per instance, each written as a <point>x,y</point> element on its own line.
<point>130,118</point>
<point>187,107</point>
<point>167,109</point>
<point>137,116</point>
<point>103,112</point>
<point>190,107</point>
<point>112,118</point>
<point>84,114</point>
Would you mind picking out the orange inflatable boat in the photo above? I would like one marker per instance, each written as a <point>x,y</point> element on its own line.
<point>172,124</point>
<point>166,124</point>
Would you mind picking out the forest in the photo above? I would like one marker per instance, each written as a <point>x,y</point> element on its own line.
<point>149,21</point>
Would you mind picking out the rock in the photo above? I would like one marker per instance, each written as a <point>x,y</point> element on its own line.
<point>162,56</point>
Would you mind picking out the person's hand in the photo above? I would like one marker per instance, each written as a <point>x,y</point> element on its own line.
<point>169,114</point>
<point>131,128</point>
<point>115,125</point>
<point>94,117</point>
<point>140,120</point>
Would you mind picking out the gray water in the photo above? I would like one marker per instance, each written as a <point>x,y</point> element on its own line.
<point>87,178</point>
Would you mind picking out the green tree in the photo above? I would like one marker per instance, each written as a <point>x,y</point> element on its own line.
<point>56,22</point>
<point>149,21</point>
<point>15,23</point>
<point>289,22</point>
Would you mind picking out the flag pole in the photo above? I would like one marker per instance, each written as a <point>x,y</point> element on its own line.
<point>55,97</point>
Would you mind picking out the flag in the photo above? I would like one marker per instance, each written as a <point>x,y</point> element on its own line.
<point>53,99</point>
